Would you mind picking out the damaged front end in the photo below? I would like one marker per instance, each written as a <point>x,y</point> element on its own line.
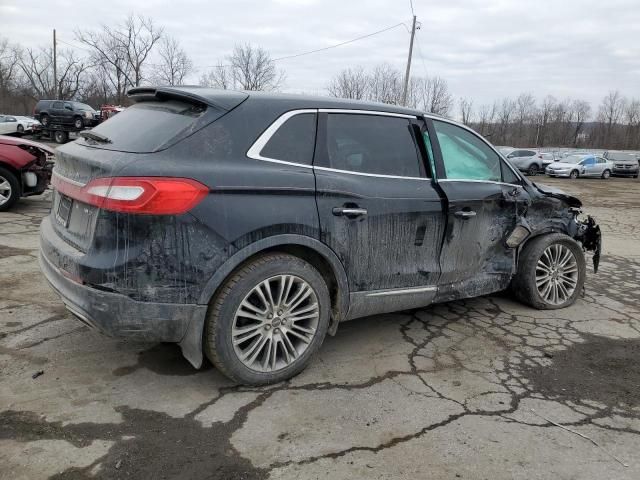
<point>553,210</point>
<point>36,175</point>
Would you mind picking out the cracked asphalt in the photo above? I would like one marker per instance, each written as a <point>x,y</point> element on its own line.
<point>478,389</point>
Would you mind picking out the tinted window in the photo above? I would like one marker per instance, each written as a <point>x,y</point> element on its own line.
<point>57,105</point>
<point>465,156</point>
<point>589,161</point>
<point>528,153</point>
<point>294,140</point>
<point>151,126</point>
<point>371,144</point>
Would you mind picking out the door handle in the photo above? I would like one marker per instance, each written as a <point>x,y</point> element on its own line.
<point>349,212</point>
<point>465,214</point>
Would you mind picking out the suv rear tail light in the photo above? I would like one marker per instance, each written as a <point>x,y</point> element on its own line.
<point>144,195</point>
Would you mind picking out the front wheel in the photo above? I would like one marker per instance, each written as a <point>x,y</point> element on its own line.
<point>20,129</point>
<point>267,320</point>
<point>78,122</point>
<point>551,272</point>
<point>574,174</point>
<point>606,174</point>
<point>9,189</point>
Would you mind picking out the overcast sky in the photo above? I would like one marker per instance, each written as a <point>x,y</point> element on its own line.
<point>485,49</point>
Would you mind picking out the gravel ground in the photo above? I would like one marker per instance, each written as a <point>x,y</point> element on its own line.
<point>483,388</point>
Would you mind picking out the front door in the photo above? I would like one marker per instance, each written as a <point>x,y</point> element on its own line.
<point>379,210</point>
<point>483,197</point>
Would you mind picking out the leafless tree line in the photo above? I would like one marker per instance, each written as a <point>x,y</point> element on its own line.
<point>247,68</point>
<point>524,121</point>
<point>385,84</point>
<point>118,57</point>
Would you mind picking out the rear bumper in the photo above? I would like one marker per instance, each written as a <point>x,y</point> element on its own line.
<point>115,314</point>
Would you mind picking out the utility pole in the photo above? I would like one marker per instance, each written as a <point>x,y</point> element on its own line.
<point>55,67</point>
<point>406,75</point>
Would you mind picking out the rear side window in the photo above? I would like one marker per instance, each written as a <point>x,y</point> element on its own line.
<point>151,126</point>
<point>465,156</point>
<point>293,141</point>
<point>374,144</point>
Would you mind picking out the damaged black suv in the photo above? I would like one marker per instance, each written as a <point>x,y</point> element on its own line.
<point>247,225</point>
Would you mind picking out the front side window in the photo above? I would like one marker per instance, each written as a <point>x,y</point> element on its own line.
<point>465,156</point>
<point>57,104</point>
<point>374,144</point>
<point>293,141</point>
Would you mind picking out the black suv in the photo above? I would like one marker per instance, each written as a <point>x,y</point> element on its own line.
<point>248,225</point>
<point>79,115</point>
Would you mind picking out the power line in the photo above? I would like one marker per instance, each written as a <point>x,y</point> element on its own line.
<point>286,57</point>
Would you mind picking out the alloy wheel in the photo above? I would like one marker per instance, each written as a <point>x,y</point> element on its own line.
<point>275,323</point>
<point>5,190</point>
<point>556,274</point>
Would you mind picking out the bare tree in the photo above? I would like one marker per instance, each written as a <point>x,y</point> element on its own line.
<point>122,51</point>
<point>431,94</point>
<point>219,77</point>
<point>385,85</point>
<point>486,117</point>
<point>466,110</point>
<point>610,112</point>
<point>253,69</point>
<point>581,111</point>
<point>632,120</point>
<point>9,61</point>
<point>37,67</point>
<point>175,63</point>
<point>350,83</point>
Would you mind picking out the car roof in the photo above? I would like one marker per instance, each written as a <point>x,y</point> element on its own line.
<point>226,98</point>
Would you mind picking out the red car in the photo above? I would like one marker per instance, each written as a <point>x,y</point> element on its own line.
<point>25,169</point>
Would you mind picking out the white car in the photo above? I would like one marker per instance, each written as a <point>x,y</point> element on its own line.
<point>575,166</point>
<point>10,124</point>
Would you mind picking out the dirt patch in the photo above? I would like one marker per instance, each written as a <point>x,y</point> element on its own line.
<point>601,369</point>
<point>155,445</point>
<point>163,359</point>
<point>6,252</point>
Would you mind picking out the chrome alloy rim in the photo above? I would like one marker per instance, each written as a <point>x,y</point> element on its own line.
<point>557,274</point>
<point>275,323</point>
<point>5,190</point>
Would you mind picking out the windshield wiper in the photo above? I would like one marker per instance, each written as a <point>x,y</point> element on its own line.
<point>95,136</point>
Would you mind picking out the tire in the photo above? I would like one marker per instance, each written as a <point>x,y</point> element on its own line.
<point>9,189</point>
<point>606,174</point>
<point>60,136</point>
<point>635,176</point>
<point>530,272</point>
<point>574,174</point>
<point>20,129</point>
<point>239,289</point>
<point>78,123</point>
<point>44,120</point>
<point>533,169</point>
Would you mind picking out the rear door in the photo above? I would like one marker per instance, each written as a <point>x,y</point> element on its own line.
<point>483,196</point>
<point>378,208</point>
<point>56,111</point>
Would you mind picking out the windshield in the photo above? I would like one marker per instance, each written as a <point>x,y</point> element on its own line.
<point>83,106</point>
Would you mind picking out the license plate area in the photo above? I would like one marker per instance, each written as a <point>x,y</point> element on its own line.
<point>63,212</point>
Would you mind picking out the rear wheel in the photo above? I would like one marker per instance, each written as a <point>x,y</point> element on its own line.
<point>533,169</point>
<point>551,272</point>
<point>574,174</point>
<point>45,120</point>
<point>9,189</point>
<point>606,174</point>
<point>268,320</point>
<point>60,136</point>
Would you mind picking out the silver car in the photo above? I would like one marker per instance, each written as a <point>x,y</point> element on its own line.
<point>526,161</point>
<point>575,166</point>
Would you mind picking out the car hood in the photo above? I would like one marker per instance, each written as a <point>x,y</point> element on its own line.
<point>563,165</point>
<point>21,141</point>
<point>557,193</point>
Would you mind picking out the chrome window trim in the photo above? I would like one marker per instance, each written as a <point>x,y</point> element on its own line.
<point>67,179</point>
<point>255,150</point>
<point>367,112</point>
<point>364,174</point>
<point>479,181</point>
<point>401,291</point>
